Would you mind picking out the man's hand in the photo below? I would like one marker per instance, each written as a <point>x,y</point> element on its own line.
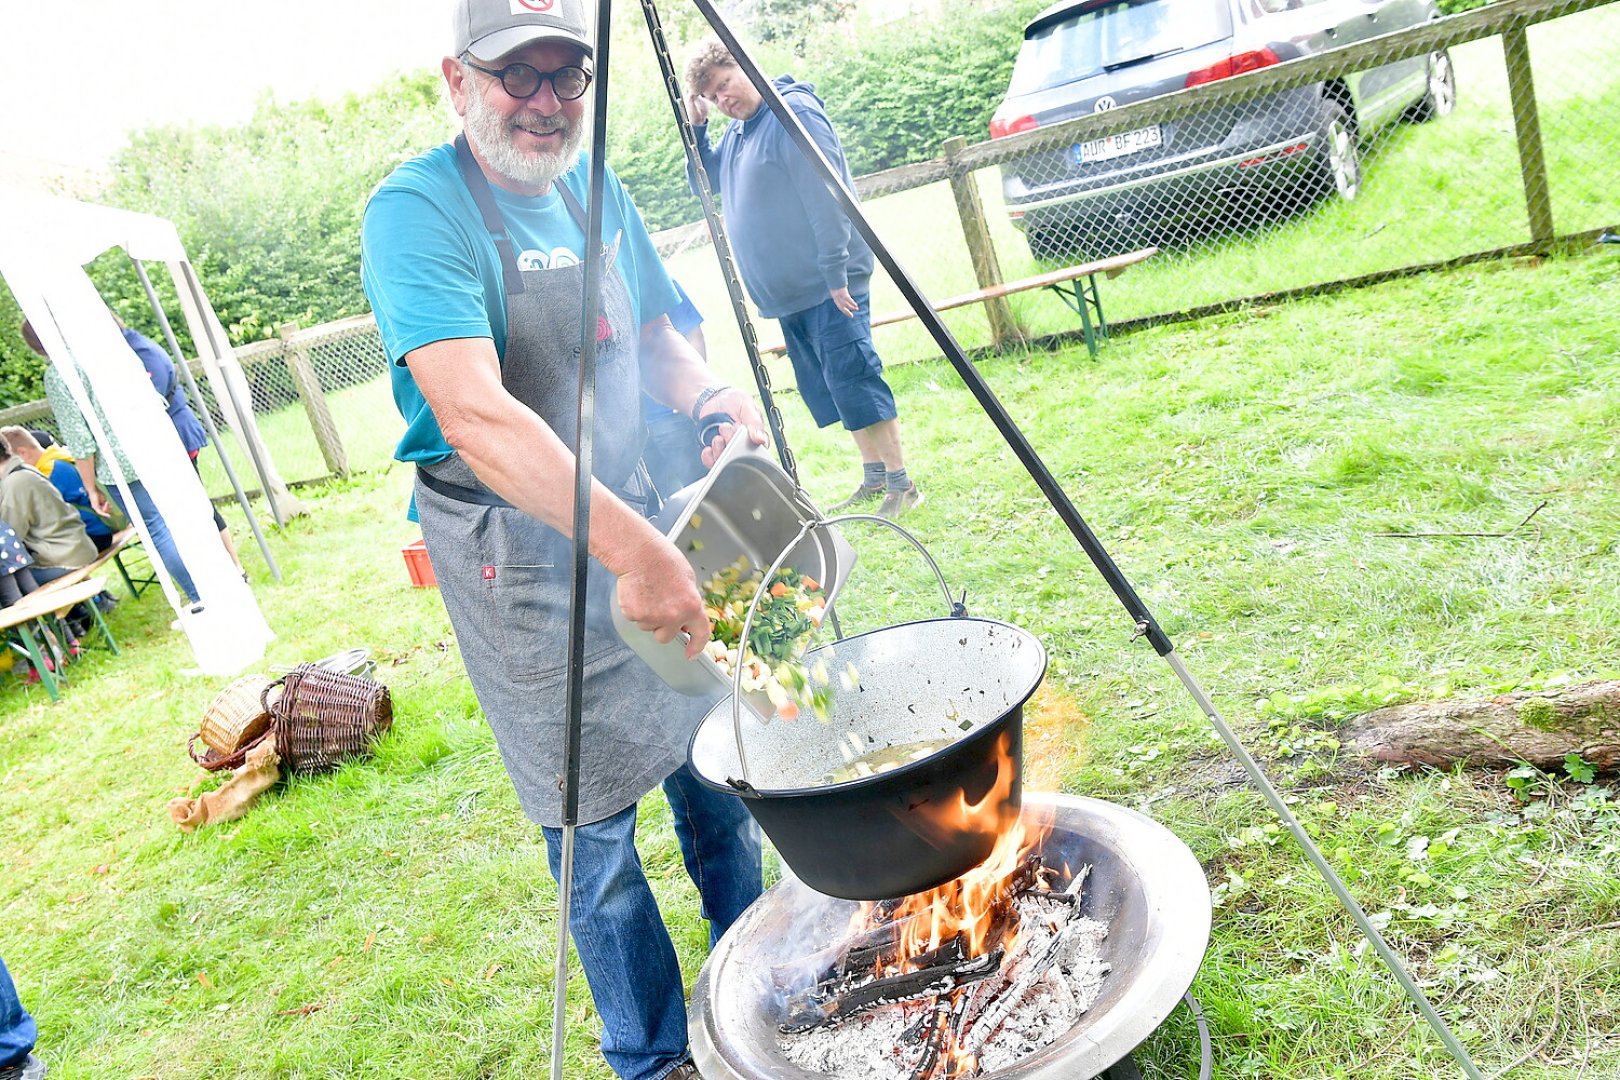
<point>100,503</point>
<point>738,404</point>
<point>845,302</point>
<point>697,108</point>
<point>659,593</point>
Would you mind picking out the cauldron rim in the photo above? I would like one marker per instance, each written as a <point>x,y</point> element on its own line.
<point>979,732</point>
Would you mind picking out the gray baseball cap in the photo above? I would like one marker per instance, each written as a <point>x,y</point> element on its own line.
<point>489,29</point>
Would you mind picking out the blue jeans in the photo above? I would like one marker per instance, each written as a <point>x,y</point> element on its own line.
<point>623,946</point>
<point>167,552</point>
<point>17,1030</point>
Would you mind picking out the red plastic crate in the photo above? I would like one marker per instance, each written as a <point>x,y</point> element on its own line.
<point>418,566</point>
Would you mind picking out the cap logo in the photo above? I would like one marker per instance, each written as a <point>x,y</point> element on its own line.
<point>524,7</point>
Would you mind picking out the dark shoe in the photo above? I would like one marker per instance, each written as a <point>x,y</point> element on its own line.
<point>862,496</point>
<point>896,503</point>
<point>684,1071</point>
<point>31,1068</point>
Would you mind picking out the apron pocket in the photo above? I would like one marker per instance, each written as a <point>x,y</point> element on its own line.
<point>528,607</point>
<point>528,613</point>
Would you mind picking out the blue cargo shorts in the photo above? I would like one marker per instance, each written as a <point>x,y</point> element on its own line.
<point>838,371</point>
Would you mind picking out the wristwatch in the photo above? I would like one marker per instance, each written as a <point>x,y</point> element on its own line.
<point>703,398</point>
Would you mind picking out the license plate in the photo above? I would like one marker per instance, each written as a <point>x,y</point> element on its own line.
<point>1113,146</point>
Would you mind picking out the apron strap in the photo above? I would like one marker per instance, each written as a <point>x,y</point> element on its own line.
<point>459,493</point>
<point>638,493</point>
<point>478,185</point>
<point>575,207</point>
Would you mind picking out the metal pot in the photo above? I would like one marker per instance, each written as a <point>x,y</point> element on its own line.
<point>745,506</point>
<point>919,825</point>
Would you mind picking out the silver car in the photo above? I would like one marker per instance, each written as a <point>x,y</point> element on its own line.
<point>1159,181</point>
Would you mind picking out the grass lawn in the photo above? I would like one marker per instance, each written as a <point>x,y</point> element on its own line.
<point>394,919</point>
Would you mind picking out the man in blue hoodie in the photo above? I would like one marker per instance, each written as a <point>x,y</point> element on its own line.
<point>803,262</point>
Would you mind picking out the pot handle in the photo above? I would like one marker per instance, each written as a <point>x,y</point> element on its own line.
<point>958,609</point>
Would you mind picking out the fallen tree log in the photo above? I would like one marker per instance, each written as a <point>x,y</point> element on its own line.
<point>1539,727</point>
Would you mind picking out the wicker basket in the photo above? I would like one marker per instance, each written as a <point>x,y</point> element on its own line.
<point>233,722</point>
<point>325,717</point>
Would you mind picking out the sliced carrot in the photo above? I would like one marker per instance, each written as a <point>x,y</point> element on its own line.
<point>789,711</point>
<point>811,583</point>
<point>779,589</point>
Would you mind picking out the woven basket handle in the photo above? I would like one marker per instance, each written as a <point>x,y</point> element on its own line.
<point>264,698</point>
<point>230,761</point>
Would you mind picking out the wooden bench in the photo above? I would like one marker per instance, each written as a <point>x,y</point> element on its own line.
<point>122,540</point>
<point>46,607</point>
<point>1081,296</point>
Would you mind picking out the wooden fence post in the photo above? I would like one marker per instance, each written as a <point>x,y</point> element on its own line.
<point>1004,326</point>
<point>309,389</point>
<point>1527,124</point>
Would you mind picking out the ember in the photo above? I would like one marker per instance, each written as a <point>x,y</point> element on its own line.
<point>964,979</point>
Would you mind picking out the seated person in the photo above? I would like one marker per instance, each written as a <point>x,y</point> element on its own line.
<point>59,468</point>
<point>16,581</point>
<point>98,475</point>
<point>43,521</point>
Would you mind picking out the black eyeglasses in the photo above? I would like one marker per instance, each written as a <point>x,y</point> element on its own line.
<point>522,81</point>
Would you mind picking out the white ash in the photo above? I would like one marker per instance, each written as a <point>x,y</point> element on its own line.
<point>872,1046</point>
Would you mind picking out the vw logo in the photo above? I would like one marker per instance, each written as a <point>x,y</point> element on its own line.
<point>1104,104</point>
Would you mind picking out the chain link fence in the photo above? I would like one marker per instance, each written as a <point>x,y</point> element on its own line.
<point>1262,147</point>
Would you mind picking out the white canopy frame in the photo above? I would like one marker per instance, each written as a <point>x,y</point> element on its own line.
<point>45,243</point>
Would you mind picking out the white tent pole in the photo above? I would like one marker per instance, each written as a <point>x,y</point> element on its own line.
<point>214,345</point>
<point>207,415</point>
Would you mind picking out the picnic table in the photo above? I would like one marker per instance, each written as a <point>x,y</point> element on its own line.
<point>1075,285</point>
<point>122,541</point>
<point>42,610</point>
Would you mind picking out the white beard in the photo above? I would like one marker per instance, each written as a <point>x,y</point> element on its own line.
<point>491,133</point>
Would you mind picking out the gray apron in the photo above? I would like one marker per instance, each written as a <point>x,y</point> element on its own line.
<point>506,578</point>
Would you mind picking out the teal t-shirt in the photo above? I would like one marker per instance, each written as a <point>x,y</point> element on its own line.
<point>431,271</point>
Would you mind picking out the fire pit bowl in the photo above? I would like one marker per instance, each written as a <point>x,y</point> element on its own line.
<point>961,680</point>
<point>1145,884</point>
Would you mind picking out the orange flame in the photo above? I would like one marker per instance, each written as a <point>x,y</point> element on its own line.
<point>965,906</point>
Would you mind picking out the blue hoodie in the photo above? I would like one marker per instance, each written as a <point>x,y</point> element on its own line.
<point>793,242</point>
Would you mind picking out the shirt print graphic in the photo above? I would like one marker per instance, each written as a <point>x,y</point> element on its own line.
<point>555,259</point>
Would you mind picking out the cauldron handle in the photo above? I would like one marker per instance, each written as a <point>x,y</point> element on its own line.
<point>957,610</point>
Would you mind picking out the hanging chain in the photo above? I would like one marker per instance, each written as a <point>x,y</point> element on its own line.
<point>717,233</point>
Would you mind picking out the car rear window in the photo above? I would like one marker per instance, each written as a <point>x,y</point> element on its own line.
<point>1100,36</point>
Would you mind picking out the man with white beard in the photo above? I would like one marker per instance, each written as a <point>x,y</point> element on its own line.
<point>472,257</point>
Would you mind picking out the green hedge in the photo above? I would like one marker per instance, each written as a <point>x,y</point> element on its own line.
<point>894,97</point>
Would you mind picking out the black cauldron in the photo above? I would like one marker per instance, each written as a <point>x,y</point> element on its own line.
<point>957,681</point>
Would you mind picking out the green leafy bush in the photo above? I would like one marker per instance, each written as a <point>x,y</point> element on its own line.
<point>270,210</point>
<point>895,97</point>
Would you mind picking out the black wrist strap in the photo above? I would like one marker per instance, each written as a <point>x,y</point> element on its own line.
<point>709,426</point>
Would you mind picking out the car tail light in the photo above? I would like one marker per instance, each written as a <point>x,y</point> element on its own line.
<point>1235,65</point>
<point>1000,129</point>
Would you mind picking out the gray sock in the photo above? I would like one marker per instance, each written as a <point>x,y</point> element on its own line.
<point>896,480</point>
<point>872,474</point>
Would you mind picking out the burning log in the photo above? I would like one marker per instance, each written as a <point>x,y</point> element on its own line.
<point>849,988</point>
<point>1023,976</point>
<point>944,1031</point>
<point>810,1011</point>
<point>935,986</point>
